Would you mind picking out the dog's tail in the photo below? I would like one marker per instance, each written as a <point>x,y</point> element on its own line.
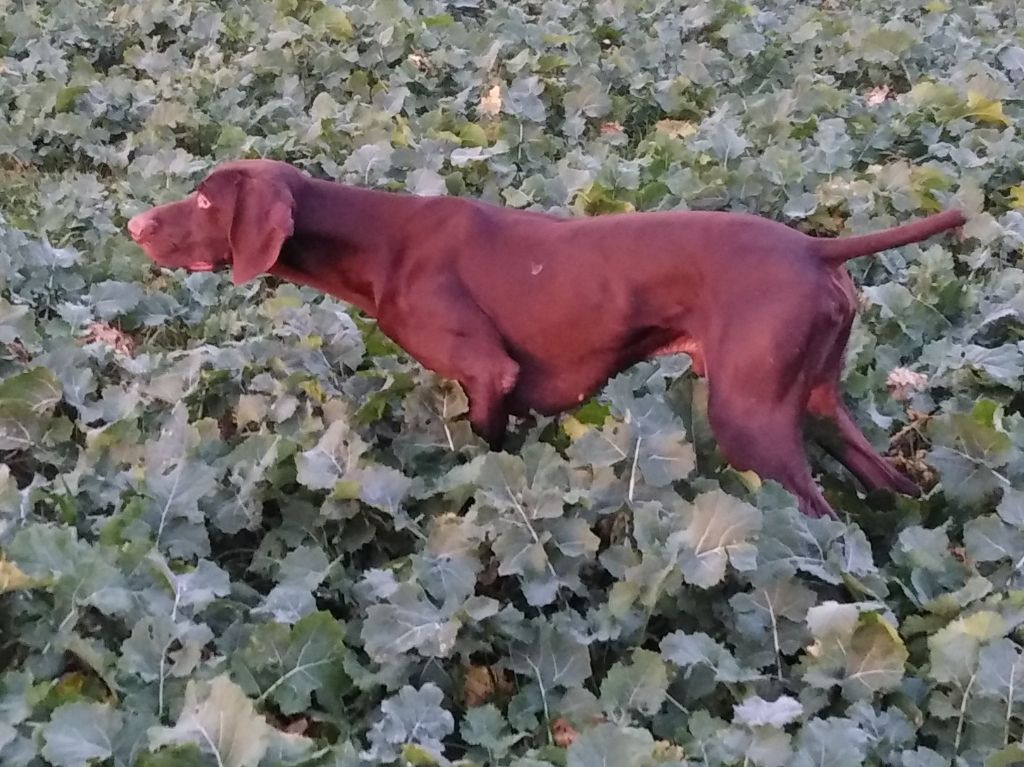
<point>841,249</point>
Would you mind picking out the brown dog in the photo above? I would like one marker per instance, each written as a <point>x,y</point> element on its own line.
<point>532,312</point>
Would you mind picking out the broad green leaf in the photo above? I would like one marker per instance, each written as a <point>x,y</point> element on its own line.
<point>792,542</point>
<point>855,648</point>
<point>334,21</point>
<point>78,733</point>
<point>335,457</point>
<point>689,650</point>
<point>27,401</point>
<point>197,587</point>
<point>608,745</point>
<point>552,658</point>
<point>640,685</point>
<point>412,717</point>
<point>16,323</point>
<point>1006,757</point>
<point>954,648</point>
<point>187,755</point>
<point>81,573</point>
<point>36,389</point>
<point>383,488</point>
<point>287,603</point>
<point>588,97</point>
<point>990,539</point>
<point>836,742</point>
<point>758,712</point>
<point>408,621</point>
<point>175,481</point>
<point>923,757</point>
<point>159,648</point>
<point>112,298</point>
<point>1001,671</point>
<point>304,567</point>
<point>720,530</point>
<point>288,664</point>
<point>484,726</point>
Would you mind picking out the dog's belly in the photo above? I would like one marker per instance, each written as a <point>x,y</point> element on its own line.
<point>684,344</point>
<point>550,390</point>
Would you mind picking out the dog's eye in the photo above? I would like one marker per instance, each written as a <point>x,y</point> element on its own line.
<point>203,201</point>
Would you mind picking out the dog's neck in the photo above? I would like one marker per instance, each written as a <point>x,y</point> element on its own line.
<point>358,231</point>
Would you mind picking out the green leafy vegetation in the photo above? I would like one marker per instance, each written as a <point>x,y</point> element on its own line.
<point>239,527</point>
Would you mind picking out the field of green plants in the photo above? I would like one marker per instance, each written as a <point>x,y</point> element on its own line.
<point>239,527</point>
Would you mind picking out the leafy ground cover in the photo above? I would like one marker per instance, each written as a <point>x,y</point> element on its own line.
<point>239,527</point>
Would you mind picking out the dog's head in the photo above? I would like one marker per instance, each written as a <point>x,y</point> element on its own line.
<point>240,215</point>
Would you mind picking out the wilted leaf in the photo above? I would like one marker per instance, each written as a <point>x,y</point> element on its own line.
<point>985,109</point>
<point>720,530</point>
<point>218,718</point>
<point>954,648</point>
<point>11,578</point>
<point>855,648</point>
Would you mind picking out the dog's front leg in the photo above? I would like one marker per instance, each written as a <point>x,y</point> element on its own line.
<point>447,333</point>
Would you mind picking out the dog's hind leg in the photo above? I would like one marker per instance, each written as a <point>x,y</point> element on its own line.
<point>832,425</point>
<point>759,368</point>
<point>845,442</point>
<point>765,437</point>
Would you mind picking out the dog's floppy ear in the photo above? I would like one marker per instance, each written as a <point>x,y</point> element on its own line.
<point>258,212</point>
<point>261,223</point>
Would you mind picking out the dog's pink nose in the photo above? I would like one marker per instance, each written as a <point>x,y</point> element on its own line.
<point>141,227</point>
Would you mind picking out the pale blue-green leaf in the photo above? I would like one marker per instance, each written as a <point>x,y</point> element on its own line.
<point>755,711</point>
<point>408,621</point>
<point>288,664</point>
<point>718,525</point>
<point>484,726</point>
<point>411,716</point>
<point>835,742</point>
<point>552,657</point>
<point>287,603</point>
<point>78,733</point>
<point>990,539</point>
<point>609,745</point>
<point>304,567</point>
<point>640,685</point>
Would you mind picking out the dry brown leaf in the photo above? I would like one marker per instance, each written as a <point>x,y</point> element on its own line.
<point>563,733</point>
<point>902,383</point>
<point>482,684</point>
<point>17,348</point>
<point>12,578</point>
<point>108,335</point>
<point>490,102</point>
<point>878,95</point>
<point>676,128</point>
<point>667,751</point>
